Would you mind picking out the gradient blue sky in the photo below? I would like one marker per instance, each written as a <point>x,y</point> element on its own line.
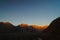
<point>40,12</point>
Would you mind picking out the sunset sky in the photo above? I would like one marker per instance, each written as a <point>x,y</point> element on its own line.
<point>40,12</point>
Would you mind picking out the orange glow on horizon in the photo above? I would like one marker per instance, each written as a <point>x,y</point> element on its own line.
<point>44,27</point>
<point>24,25</point>
<point>40,27</point>
<point>34,26</point>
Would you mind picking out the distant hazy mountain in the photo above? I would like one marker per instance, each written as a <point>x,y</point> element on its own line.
<point>8,27</point>
<point>25,28</point>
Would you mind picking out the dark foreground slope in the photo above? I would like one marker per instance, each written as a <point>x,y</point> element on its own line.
<point>53,31</point>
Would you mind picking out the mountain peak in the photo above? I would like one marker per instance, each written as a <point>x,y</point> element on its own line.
<point>7,24</point>
<point>23,25</point>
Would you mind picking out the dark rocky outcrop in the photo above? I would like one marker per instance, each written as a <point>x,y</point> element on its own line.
<point>53,31</point>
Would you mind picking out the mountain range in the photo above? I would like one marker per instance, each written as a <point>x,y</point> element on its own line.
<point>30,32</point>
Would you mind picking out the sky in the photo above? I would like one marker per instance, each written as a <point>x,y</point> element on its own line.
<point>40,12</point>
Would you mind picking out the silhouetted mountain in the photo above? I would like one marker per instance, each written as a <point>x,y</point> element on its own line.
<point>6,27</point>
<point>53,31</point>
<point>25,28</point>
